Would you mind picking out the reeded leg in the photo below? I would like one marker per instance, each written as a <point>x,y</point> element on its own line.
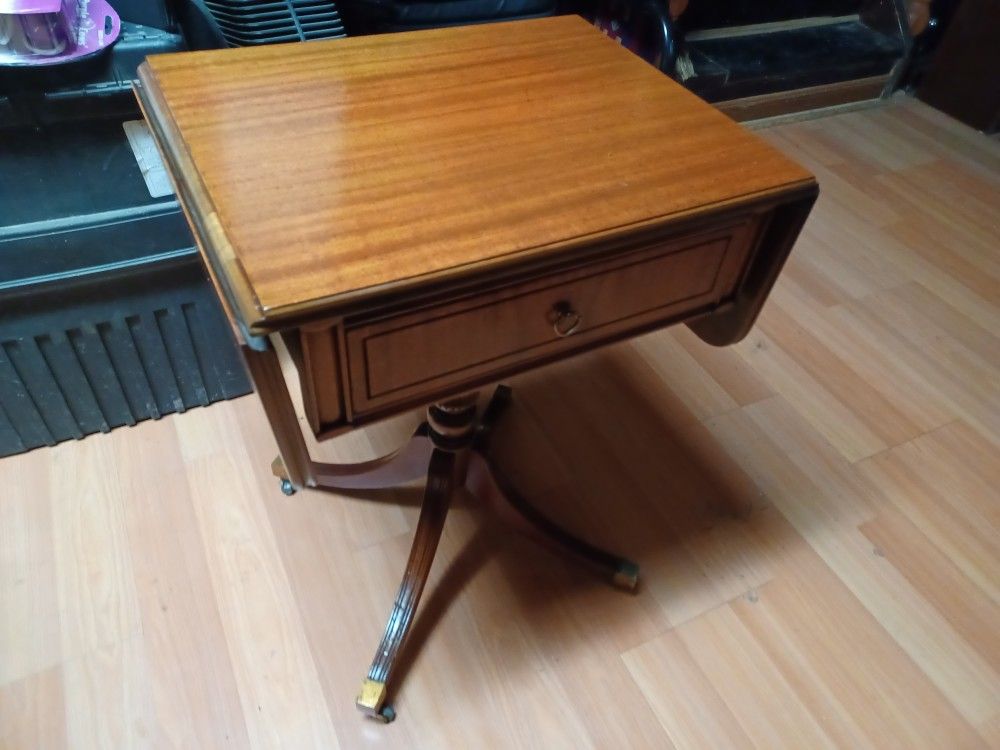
<point>489,486</point>
<point>295,468</point>
<point>437,497</point>
<point>405,465</point>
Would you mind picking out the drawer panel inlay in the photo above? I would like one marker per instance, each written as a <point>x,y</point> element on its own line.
<point>395,359</point>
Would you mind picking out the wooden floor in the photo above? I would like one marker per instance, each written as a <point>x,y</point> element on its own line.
<point>816,512</point>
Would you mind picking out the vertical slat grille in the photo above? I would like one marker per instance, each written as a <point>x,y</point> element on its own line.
<point>99,375</point>
<point>252,22</point>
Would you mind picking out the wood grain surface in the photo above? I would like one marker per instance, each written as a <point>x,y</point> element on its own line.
<point>415,355</point>
<point>157,590</point>
<point>319,172</point>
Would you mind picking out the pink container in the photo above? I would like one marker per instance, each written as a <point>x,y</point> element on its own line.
<point>49,32</point>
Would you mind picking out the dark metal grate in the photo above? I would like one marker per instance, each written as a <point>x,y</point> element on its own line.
<point>66,384</point>
<point>252,22</point>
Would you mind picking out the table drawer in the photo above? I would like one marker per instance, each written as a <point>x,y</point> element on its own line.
<point>465,342</point>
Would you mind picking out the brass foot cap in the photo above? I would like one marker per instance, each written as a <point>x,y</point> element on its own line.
<point>370,701</point>
<point>627,575</point>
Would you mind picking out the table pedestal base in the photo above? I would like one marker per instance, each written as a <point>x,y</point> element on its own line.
<point>452,448</point>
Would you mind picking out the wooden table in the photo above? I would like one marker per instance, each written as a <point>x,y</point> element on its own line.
<point>419,215</point>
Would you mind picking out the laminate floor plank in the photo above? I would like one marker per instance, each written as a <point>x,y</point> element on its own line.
<point>30,621</point>
<point>190,673</point>
<point>33,711</point>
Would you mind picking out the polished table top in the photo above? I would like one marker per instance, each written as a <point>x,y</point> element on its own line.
<point>319,174</point>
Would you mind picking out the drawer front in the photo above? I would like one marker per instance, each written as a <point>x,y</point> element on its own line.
<point>442,347</point>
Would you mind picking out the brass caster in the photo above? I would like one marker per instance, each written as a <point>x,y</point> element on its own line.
<point>278,469</point>
<point>627,575</point>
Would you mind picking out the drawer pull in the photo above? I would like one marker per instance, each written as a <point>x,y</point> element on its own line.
<point>567,320</point>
